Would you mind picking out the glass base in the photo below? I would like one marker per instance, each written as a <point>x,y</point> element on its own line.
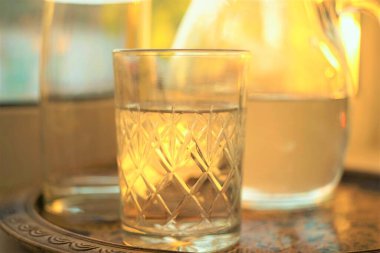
<point>194,243</point>
<point>74,212</point>
<point>254,199</point>
<point>82,200</point>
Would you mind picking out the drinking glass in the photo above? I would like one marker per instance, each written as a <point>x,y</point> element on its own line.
<point>79,147</point>
<point>179,136</point>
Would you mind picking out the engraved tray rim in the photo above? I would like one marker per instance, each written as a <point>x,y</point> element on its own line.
<point>20,220</point>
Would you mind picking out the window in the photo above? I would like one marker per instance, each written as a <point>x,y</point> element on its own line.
<point>20,26</point>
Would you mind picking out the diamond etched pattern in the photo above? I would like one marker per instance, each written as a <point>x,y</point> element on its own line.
<point>179,170</point>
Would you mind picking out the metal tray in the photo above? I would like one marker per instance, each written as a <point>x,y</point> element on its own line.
<point>350,222</point>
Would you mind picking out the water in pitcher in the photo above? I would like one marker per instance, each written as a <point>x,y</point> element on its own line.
<point>294,150</point>
<point>180,173</point>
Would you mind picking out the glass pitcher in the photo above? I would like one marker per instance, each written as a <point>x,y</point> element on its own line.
<point>78,126</point>
<point>298,90</point>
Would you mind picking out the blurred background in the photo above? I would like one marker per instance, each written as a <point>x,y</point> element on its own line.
<point>20,38</point>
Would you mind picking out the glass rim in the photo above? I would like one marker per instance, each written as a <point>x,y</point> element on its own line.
<point>182,52</point>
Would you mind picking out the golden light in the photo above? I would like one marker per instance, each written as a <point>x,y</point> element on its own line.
<point>56,207</point>
<point>330,57</point>
<point>349,27</point>
<point>134,177</point>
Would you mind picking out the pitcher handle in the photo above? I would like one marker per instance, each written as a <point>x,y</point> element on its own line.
<point>371,7</point>
<point>351,44</point>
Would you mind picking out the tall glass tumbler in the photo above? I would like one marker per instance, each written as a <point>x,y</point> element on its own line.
<point>79,154</point>
<point>179,121</point>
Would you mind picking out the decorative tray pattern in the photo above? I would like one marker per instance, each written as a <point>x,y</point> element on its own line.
<point>350,222</point>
